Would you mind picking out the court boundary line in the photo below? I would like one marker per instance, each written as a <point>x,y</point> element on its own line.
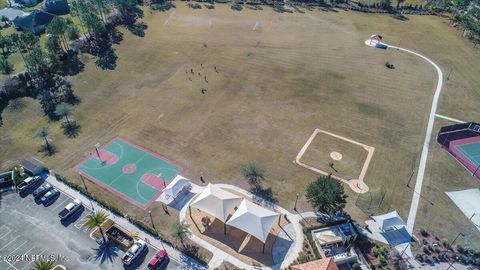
<point>76,168</point>
<point>357,185</point>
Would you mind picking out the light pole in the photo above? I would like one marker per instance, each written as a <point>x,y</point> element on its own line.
<point>96,149</point>
<point>83,180</point>
<point>151,220</point>
<point>296,200</point>
<point>86,189</point>
<point>476,170</point>
<point>153,225</point>
<point>448,77</point>
<point>423,197</point>
<point>91,204</point>
<point>410,179</point>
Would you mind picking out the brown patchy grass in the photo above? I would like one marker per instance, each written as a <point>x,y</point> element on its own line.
<point>318,156</point>
<point>275,85</point>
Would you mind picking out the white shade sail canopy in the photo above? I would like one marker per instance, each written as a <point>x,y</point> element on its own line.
<point>389,221</point>
<point>216,202</point>
<point>254,220</point>
<point>176,186</point>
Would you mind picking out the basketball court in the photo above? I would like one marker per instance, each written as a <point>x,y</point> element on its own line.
<point>130,171</point>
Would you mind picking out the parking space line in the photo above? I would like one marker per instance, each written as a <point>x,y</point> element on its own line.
<point>32,260</point>
<point>11,265</point>
<point>10,230</point>
<point>18,247</point>
<point>9,243</point>
<point>60,204</point>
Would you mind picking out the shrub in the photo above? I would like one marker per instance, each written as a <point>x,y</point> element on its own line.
<point>236,7</point>
<point>423,232</point>
<point>192,251</point>
<point>302,257</point>
<point>382,260</point>
<point>445,243</point>
<point>163,6</point>
<point>194,5</point>
<point>5,66</point>
<point>72,32</point>
<point>419,257</point>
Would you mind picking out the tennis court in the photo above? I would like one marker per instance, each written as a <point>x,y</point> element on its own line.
<point>130,171</point>
<point>472,151</point>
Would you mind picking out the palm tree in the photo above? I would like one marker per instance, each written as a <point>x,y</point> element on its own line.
<point>63,110</point>
<point>180,231</point>
<point>95,220</point>
<point>43,265</point>
<point>253,173</point>
<point>43,133</point>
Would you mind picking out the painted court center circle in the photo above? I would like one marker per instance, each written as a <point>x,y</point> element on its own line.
<point>336,156</point>
<point>129,168</point>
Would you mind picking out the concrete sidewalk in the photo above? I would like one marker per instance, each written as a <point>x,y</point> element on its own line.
<point>174,254</point>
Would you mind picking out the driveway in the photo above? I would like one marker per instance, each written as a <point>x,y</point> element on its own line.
<point>30,231</point>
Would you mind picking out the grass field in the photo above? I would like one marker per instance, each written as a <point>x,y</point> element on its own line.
<point>274,86</point>
<point>352,156</point>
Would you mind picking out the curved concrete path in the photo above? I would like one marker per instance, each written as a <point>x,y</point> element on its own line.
<point>293,233</point>
<point>428,134</point>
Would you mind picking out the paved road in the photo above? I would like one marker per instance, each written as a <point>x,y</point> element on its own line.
<point>29,229</point>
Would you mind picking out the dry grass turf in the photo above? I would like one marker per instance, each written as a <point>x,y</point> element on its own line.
<point>348,167</point>
<point>274,86</point>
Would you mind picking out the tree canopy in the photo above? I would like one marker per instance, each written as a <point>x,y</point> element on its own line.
<point>253,173</point>
<point>326,195</point>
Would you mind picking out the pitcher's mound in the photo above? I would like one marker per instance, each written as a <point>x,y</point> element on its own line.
<point>336,156</point>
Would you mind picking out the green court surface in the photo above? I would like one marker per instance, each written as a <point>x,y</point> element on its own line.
<point>129,171</point>
<point>472,151</point>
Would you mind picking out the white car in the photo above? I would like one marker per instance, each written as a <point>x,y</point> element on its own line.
<point>133,252</point>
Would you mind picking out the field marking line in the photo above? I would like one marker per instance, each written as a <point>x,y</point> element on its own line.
<point>357,185</point>
<point>450,118</point>
<point>94,156</point>
<point>9,243</point>
<point>426,143</point>
<point>138,192</point>
<point>122,174</point>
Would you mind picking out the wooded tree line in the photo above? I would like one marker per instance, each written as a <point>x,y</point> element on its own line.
<point>47,64</point>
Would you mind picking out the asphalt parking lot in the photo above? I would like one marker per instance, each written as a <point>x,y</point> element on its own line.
<point>30,231</point>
